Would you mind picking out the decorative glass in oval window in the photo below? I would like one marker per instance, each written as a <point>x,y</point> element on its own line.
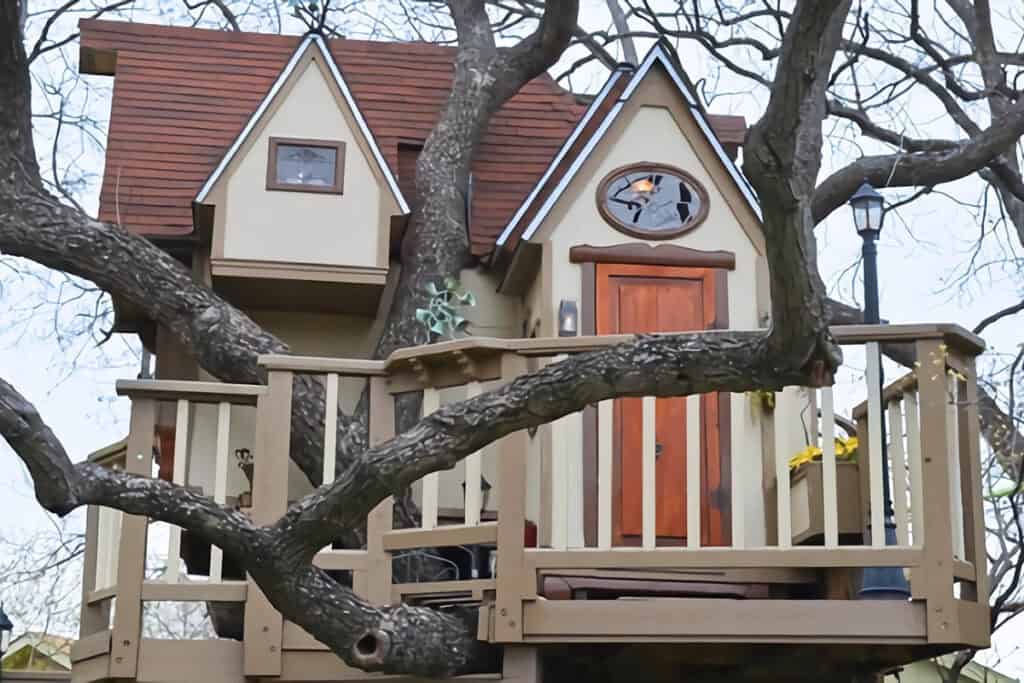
<point>652,200</point>
<point>306,165</point>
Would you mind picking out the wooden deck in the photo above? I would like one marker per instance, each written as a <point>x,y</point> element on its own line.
<point>810,596</point>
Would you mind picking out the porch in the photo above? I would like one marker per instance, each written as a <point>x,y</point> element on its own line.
<point>544,582</point>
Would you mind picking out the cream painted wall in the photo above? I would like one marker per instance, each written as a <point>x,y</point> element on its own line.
<point>654,133</point>
<point>304,227</point>
<point>321,334</point>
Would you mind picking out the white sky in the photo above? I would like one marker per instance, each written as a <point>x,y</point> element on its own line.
<point>920,252</point>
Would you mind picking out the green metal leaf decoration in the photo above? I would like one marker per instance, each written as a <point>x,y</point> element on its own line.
<point>440,318</point>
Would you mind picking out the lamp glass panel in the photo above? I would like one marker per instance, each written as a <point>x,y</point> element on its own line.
<point>875,215</point>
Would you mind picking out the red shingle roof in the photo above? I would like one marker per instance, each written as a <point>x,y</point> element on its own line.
<point>182,96</point>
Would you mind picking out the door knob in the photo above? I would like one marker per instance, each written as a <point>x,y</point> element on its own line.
<point>657,450</point>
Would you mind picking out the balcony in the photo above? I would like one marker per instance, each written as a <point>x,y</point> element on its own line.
<point>557,569</point>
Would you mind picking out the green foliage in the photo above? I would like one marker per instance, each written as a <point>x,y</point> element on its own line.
<point>441,317</point>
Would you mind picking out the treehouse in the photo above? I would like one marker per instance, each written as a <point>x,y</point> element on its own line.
<point>633,540</point>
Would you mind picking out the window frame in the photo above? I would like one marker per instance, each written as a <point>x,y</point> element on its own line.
<point>644,233</point>
<point>339,165</point>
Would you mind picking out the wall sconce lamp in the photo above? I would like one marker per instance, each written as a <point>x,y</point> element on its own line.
<point>568,318</point>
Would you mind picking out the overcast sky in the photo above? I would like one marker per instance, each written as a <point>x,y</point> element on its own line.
<point>921,251</point>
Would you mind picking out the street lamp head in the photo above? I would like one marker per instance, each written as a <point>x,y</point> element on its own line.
<point>866,203</point>
<point>5,631</point>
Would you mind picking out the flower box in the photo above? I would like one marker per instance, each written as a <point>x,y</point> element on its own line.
<point>806,501</point>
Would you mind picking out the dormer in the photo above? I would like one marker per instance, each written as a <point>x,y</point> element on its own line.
<point>299,209</point>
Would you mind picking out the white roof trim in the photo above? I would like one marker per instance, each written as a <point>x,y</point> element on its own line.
<point>358,116</point>
<point>566,146</point>
<point>657,54</point>
<point>286,73</point>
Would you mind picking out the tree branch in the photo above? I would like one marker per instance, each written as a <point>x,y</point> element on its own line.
<point>922,168</point>
<point>398,639</point>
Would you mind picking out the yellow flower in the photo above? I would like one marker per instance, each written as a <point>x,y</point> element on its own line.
<point>808,454</point>
<point>846,449</point>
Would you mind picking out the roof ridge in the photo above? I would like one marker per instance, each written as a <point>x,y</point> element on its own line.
<point>142,27</point>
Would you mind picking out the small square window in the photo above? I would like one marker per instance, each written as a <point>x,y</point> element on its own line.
<point>306,165</point>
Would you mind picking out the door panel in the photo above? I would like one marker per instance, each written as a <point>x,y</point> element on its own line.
<point>658,299</point>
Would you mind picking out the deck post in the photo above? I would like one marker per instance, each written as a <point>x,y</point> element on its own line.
<point>376,583</point>
<point>131,560</point>
<point>264,625</point>
<point>513,584</point>
<point>970,480</point>
<point>521,664</point>
<point>933,581</point>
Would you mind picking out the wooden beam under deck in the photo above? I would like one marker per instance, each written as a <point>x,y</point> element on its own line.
<point>721,620</point>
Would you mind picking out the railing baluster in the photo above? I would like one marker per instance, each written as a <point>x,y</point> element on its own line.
<point>693,480</point>
<point>649,474</point>
<point>605,435</point>
<point>474,473</point>
<point>953,461</point>
<point>94,617</point>
<point>899,471</point>
<point>558,461</point>
<point>110,541</point>
<point>220,480</point>
<point>914,458</point>
<point>431,482</point>
<point>783,510</point>
<point>830,493</point>
<point>330,427</point>
<point>874,380</point>
<point>181,434</point>
<point>559,484</point>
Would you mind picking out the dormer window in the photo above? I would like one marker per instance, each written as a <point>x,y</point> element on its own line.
<point>306,165</point>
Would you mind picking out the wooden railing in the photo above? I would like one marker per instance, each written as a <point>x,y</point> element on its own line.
<point>933,451</point>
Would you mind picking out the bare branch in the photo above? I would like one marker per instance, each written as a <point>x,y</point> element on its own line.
<point>922,168</point>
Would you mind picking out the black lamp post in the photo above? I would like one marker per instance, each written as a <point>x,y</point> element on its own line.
<point>5,637</point>
<point>879,583</point>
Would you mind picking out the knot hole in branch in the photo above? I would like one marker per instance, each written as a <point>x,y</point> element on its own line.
<point>371,649</point>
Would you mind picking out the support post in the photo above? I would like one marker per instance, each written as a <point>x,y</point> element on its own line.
<point>933,580</point>
<point>521,664</point>
<point>513,584</point>
<point>970,479</point>
<point>264,625</point>
<point>131,561</point>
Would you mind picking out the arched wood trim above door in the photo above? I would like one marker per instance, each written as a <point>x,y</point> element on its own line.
<point>639,253</point>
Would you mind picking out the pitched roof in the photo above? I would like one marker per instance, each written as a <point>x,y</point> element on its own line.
<point>309,42</point>
<point>182,96</point>
<point>599,117</point>
<point>55,648</point>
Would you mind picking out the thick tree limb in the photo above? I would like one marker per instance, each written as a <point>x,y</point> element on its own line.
<point>923,168</point>
<point>62,486</point>
<point>663,365</point>
<point>782,158</point>
<point>416,640</point>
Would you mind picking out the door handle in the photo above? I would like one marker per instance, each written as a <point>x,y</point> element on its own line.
<point>658,448</point>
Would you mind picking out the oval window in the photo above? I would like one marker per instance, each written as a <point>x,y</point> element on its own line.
<point>653,201</point>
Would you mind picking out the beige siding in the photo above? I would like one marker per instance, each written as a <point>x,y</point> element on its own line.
<point>302,227</point>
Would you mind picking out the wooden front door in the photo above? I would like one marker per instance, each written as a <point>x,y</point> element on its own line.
<point>641,298</point>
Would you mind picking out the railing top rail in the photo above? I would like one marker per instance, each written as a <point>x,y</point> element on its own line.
<point>953,334</point>
<point>197,392</point>
<point>313,364</point>
<point>892,391</point>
